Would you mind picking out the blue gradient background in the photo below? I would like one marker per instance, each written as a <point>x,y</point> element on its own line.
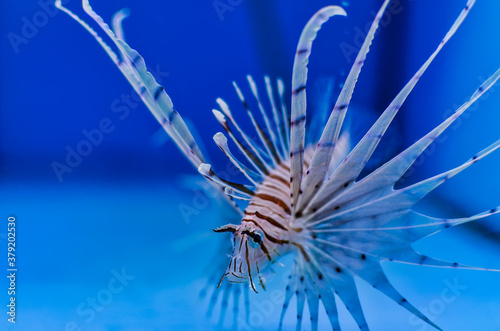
<point>119,208</point>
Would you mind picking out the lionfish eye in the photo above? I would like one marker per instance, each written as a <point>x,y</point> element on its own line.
<point>256,237</point>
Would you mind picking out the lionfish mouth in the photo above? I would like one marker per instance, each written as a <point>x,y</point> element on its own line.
<point>240,278</point>
<point>235,276</point>
<point>235,272</point>
<point>240,271</point>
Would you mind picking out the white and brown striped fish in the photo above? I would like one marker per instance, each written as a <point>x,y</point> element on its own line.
<point>304,198</point>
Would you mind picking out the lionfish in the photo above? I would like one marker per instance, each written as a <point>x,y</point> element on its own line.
<point>307,199</point>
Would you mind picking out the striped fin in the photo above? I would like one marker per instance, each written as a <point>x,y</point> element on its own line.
<point>397,234</point>
<point>346,289</point>
<point>355,162</point>
<point>371,271</point>
<point>323,154</point>
<point>300,293</point>
<point>328,301</point>
<point>285,115</point>
<point>309,281</point>
<point>272,142</point>
<point>140,78</point>
<point>221,142</point>
<point>313,298</point>
<point>417,225</point>
<point>159,97</point>
<point>408,196</point>
<point>258,153</point>
<point>157,94</point>
<point>229,191</point>
<point>251,157</point>
<point>299,104</point>
<point>172,123</point>
<point>206,170</point>
<point>289,293</point>
<point>142,81</point>
<point>343,284</point>
<point>349,252</point>
<point>401,199</point>
<point>107,49</point>
<point>368,268</point>
<point>260,132</point>
<point>278,121</point>
<point>381,181</point>
<point>396,245</point>
<point>116,23</point>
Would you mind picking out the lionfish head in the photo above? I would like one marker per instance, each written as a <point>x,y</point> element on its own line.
<point>250,257</point>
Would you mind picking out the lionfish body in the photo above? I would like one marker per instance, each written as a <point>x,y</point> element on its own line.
<point>306,199</point>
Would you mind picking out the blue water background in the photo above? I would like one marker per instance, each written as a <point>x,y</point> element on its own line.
<point>118,210</point>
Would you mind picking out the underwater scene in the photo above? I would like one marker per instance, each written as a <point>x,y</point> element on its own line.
<point>348,147</point>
